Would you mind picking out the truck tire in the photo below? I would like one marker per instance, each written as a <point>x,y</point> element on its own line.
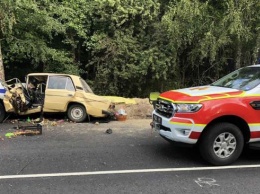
<point>221,144</point>
<point>2,112</point>
<point>77,113</point>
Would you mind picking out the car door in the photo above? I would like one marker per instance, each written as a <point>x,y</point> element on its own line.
<point>59,92</point>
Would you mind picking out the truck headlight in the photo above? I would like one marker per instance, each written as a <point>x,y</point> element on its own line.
<point>188,108</point>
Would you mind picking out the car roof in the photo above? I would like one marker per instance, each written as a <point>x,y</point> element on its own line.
<point>39,74</point>
<point>51,74</point>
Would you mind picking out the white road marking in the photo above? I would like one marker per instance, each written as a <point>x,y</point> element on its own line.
<point>202,182</point>
<point>125,171</point>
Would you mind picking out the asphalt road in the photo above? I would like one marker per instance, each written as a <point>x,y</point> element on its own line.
<point>83,158</point>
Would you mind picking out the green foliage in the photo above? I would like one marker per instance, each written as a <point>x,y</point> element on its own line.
<point>130,48</point>
<point>119,44</point>
<point>7,18</point>
<point>31,37</point>
<point>204,38</point>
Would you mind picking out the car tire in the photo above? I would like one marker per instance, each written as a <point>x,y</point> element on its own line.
<point>2,112</point>
<point>77,113</point>
<point>221,144</point>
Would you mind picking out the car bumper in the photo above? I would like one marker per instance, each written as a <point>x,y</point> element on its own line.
<point>176,129</point>
<point>108,113</point>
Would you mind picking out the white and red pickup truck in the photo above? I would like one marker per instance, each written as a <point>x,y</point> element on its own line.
<point>220,118</point>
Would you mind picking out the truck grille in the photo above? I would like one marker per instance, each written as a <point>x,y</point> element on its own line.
<point>164,108</point>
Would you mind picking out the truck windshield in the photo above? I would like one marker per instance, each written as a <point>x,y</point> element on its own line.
<point>242,79</point>
<point>85,86</point>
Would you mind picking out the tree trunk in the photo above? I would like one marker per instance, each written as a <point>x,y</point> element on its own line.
<point>2,71</point>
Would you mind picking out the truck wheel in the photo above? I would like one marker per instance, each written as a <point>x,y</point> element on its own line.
<point>77,113</point>
<point>222,144</point>
<point>2,112</point>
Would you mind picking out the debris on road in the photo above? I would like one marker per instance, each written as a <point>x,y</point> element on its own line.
<point>109,131</point>
<point>21,132</point>
<point>54,123</point>
<point>121,114</point>
<point>60,121</point>
<point>27,132</point>
<point>121,117</point>
<point>10,135</point>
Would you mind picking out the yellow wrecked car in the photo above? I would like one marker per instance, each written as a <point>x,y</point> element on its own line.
<point>55,93</point>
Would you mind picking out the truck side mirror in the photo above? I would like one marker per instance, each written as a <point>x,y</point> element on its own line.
<point>153,98</point>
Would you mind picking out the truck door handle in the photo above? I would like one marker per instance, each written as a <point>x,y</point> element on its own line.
<point>70,95</point>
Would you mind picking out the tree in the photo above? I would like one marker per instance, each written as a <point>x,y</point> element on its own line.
<point>28,33</point>
<point>242,22</point>
<point>209,38</point>
<point>7,20</point>
<point>118,44</point>
<point>128,47</point>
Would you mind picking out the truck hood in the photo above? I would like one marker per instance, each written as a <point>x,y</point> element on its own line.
<point>200,93</point>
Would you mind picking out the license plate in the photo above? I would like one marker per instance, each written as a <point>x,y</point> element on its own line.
<point>157,119</point>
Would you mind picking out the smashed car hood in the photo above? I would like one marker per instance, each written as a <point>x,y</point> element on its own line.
<point>97,101</point>
<point>120,100</point>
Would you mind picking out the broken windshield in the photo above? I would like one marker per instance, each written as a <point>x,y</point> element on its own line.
<point>242,79</point>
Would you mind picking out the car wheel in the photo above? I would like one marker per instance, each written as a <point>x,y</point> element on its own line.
<point>77,113</point>
<point>2,112</point>
<point>222,144</point>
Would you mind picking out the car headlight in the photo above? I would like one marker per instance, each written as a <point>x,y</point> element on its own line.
<point>188,108</point>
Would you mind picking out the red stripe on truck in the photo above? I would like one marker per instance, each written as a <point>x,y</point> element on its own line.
<point>255,134</point>
<point>194,135</point>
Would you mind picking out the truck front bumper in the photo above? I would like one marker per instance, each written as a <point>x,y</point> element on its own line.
<point>176,129</point>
